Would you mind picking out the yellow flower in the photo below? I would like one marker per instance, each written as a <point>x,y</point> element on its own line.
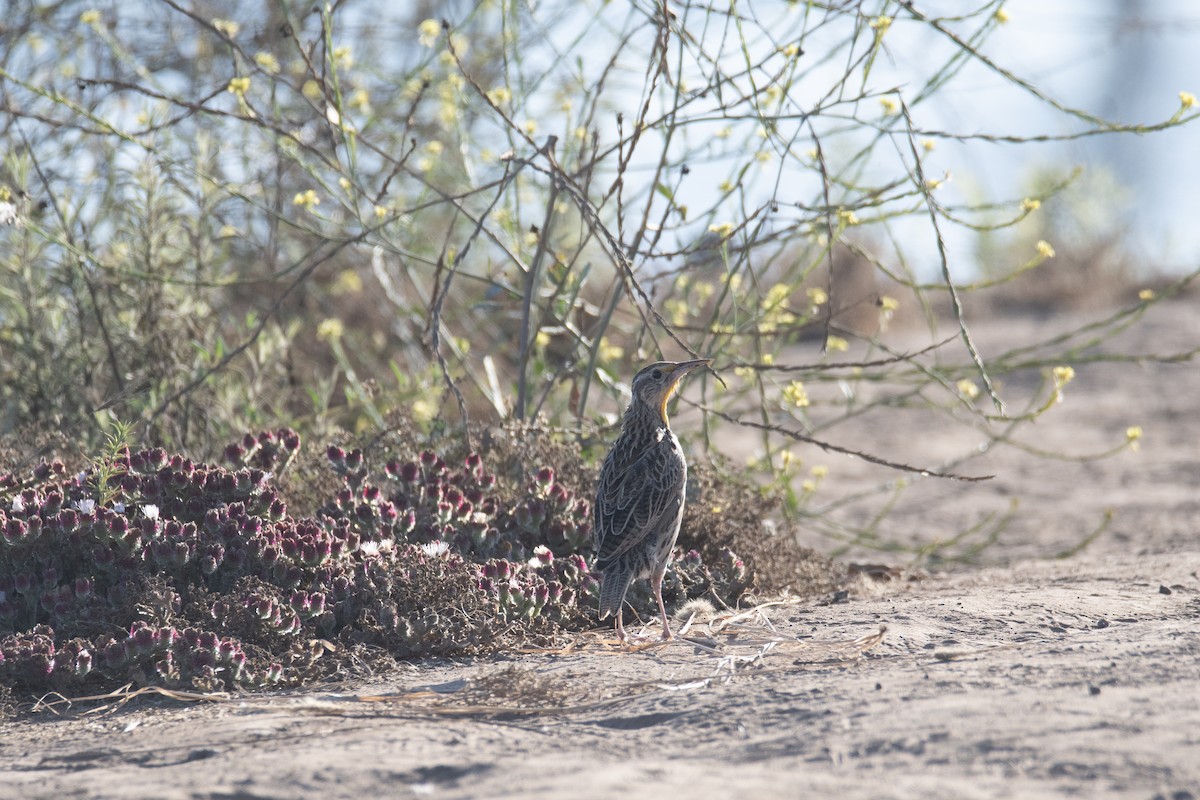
<point>428,32</point>
<point>227,27</point>
<point>796,394</point>
<point>847,217</point>
<point>836,344</point>
<point>581,132</point>
<point>809,486</point>
<point>306,199</point>
<point>791,51</point>
<point>768,359</point>
<point>331,328</point>
<point>1147,294</point>
<point>434,147</point>
<point>817,296</point>
<point>889,106</point>
<point>1030,204</point>
<point>763,156</point>
<point>542,339</point>
<point>1045,250</point>
<point>724,133</point>
<point>423,410</point>
<point>928,144</point>
<point>776,296</point>
<point>343,57</point>
<point>1132,434</point>
<point>610,352</point>
<point>723,229</point>
<point>239,86</point>
<point>530,126</point>
<point>90,17</point>
<point>1187,99</point>
<point>786,457</point>
<point>819,471</point>
<point>381,212</point>
<point>1001,16</point>
<point>880,25</point>
<point>500,95</point>
<point>888,303</point>
<point>360,100</point>
<point>311,89</point>
<point>1062,376</point>
<point>347,282</point>
<point>967,388</point>
<point>268,62</point>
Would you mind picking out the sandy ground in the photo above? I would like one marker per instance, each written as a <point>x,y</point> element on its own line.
<point>1025,677</point>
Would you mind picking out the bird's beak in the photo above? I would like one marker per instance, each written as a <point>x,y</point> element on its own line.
<point>684,367</point>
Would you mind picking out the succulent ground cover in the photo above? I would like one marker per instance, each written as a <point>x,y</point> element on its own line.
<point>151,568</point>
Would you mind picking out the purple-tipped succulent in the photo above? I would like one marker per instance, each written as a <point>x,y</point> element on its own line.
<point>15,531</point>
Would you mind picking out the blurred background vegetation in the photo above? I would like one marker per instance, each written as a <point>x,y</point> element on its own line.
<point>220,216</point>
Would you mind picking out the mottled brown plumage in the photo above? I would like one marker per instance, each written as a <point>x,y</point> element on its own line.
<point>639,499</point>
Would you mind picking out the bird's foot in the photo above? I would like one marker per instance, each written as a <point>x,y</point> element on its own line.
<point>643,640</point>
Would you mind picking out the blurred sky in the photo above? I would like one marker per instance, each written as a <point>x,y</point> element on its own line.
<point>1126,60</point>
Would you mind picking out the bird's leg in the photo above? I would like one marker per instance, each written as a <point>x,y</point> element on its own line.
<point>656,584</point>
<point>620,627</point>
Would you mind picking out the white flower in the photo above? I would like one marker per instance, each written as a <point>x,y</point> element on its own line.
<point>85,506</point>
<point>375,548</point>
<point>150,510</point>
<point>18,505</point>
<point>436,548</point>
<point>8,214</point>
<point>542,556</point>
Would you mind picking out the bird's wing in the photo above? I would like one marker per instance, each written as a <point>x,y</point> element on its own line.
<point>633,502</point>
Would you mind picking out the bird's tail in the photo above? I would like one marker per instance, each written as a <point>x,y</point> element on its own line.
<point>613,585</point>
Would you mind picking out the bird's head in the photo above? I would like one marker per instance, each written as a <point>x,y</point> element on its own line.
<point>654,385</point>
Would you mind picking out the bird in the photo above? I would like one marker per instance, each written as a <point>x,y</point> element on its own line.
<point>640,493</point>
